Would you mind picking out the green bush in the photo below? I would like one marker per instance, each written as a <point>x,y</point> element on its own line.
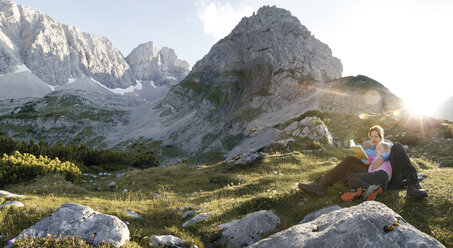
<point>22,167</point>
<point>82,155</point>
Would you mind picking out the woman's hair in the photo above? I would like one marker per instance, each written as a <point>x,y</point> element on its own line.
<point>378,129</point>
<point>385,145</point>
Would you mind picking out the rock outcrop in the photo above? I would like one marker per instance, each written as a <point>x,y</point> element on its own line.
<point>312,128</point>
<point>358,226</point>
<point>76,220</point>
<point>262,64</point>
<point>274,40</point>
<point>54,52</point>
<point>162,67</point>
<point>268,70</point>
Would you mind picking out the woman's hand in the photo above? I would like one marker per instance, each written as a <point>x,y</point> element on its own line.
<point>377,162</point>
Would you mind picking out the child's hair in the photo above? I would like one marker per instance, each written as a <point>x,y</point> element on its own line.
<point>385,145</point>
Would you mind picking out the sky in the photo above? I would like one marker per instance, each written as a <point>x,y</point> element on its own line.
<point>407,45</point>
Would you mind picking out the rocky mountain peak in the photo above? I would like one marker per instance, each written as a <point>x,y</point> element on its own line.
<point>55,52</point>
<point>161,67</point>
<point>274,39</point>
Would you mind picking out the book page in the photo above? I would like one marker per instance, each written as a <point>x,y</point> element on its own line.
<point>359,152</point>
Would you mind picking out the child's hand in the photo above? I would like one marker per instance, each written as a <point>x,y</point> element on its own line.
<point>367,162</point>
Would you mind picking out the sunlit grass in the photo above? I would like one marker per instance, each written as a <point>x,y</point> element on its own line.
<point>227,192</point>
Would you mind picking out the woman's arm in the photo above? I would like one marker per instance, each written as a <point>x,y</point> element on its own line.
<point>377,162</point>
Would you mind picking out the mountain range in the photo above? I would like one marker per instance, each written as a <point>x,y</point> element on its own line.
<point>45,55</point>
<point>237,99</point>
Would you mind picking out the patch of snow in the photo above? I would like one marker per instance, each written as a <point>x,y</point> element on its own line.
<point>129,89</point>
<point>173,78</point>
<point>71,80</point>
<point>152,84</point>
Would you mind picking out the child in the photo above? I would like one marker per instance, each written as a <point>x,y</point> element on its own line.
<point>375,180</point>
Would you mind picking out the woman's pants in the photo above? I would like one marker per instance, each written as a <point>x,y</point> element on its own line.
<point>350,165</point>
<point>401,167</point>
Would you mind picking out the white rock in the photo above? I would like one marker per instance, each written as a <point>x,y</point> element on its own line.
<point>7,194</point>
<point>296,132</point>
<point>76,220</point>
<point>185,208</point>
<point>12,203</point>
<point>197,218</point>
<point>358,226</point>
<point>248,230</point>
<point>166,240</point>
<point>285,142</point>
<point>187,214</point>
<point>133,214</point>
<point>112,184</point>
<point>293,126</point>
<point>122,174</point>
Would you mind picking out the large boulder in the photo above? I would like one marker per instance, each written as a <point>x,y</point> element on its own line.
<point>76,220</point>
<point>246,231</point>
<point>358,226</point>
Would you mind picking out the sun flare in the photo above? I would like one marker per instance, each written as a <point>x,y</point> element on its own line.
<point>421,107</point>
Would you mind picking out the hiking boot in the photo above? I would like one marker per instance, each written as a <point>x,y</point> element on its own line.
<point>416,191</point>
<point>372,192</point>
<point>351,195</point>
<point>316,188</point>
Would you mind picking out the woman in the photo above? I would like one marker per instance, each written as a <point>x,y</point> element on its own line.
<point>401,168</point>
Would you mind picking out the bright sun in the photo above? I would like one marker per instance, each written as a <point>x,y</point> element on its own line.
<point>421,107</point>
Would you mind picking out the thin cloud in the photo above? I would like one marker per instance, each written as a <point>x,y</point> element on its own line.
<point>220,18</point>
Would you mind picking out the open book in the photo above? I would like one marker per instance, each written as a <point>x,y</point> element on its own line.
<point>358,150</point>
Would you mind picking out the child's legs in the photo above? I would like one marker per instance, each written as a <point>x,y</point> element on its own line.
<point>355,182</point>
<point>364,180</point>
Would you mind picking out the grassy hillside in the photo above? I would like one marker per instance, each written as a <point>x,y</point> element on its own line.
<point>226,191</point>
<point>230,192</point>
